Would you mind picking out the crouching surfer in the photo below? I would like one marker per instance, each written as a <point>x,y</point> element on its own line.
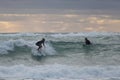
<point>40,44</point>
<point>87,42</point>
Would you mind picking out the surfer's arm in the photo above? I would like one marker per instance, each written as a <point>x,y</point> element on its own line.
<point>43,44</point>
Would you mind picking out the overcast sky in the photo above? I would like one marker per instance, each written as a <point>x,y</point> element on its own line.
<point>59,15</point>
<point>60,4</point>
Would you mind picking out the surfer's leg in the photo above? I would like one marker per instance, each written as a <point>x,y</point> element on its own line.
<point>39,48</point>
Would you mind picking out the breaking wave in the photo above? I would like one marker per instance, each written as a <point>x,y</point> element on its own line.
<point>64,57</point>
<point>57,71</point>
<point>20,45</point>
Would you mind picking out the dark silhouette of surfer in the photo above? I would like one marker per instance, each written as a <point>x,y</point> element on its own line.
<point>40,44</point>
<point>87,42</point>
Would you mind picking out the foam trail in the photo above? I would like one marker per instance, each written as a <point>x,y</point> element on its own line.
<point>47,50</point>
<point>58,71</point>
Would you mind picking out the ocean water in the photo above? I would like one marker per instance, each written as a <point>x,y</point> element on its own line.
<point>64,57</point>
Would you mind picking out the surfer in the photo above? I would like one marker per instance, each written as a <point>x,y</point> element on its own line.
<point>87,42</point>
<point>40,44</point>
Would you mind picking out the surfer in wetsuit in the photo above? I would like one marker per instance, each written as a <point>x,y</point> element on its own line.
<point>87,42</point>
<point>40,44</point>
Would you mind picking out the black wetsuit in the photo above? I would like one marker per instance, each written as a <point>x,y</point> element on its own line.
<point>39,43</point>
<point>87,42</point>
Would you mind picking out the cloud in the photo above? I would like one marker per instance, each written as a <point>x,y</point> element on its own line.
<point>8,27</point>
<point>57,23</point>
<point>89,29</point>
<point>61,4</point>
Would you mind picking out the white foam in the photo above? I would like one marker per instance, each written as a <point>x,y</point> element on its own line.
<point>10,45</point>
<point>57,71</point>
<point>7,46</point>
<point>84,34</point>
<point>62,34</point>
<point>20,34</point>
<point>47,50</point>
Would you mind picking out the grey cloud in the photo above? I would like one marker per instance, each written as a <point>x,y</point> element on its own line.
<point>61,4</point>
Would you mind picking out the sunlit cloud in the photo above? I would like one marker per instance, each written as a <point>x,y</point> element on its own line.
<point>114,21</point>
<point>101,22</point>
<point>82,20</point>
<point>57,23</point>
<point>7,26</point>
<point>70,15</point>
<point>101,28</point>
<point>89,29</point>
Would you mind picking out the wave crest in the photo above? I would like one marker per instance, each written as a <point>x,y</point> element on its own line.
<point>10,46</point>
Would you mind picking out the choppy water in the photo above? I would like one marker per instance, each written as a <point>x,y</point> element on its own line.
<point>65,57</point>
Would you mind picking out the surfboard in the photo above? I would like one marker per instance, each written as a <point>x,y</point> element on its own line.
<point>41,53</point>
<point>36,52</point>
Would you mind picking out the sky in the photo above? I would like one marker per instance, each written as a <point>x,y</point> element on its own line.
<point>59,16</point>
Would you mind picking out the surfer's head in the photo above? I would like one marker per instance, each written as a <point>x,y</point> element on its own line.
<point>86,38</point>
<point>43,39</point>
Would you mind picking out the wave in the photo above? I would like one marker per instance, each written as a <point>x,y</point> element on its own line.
<point>104,49</point>
<point>76,61</point>
<point>57,71</point>
<point>28,46</point>
<point>20,45</point>
<point>62,34</point>
<point>54,47</point>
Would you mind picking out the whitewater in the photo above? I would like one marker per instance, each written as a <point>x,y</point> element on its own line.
<point>64,57</point>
